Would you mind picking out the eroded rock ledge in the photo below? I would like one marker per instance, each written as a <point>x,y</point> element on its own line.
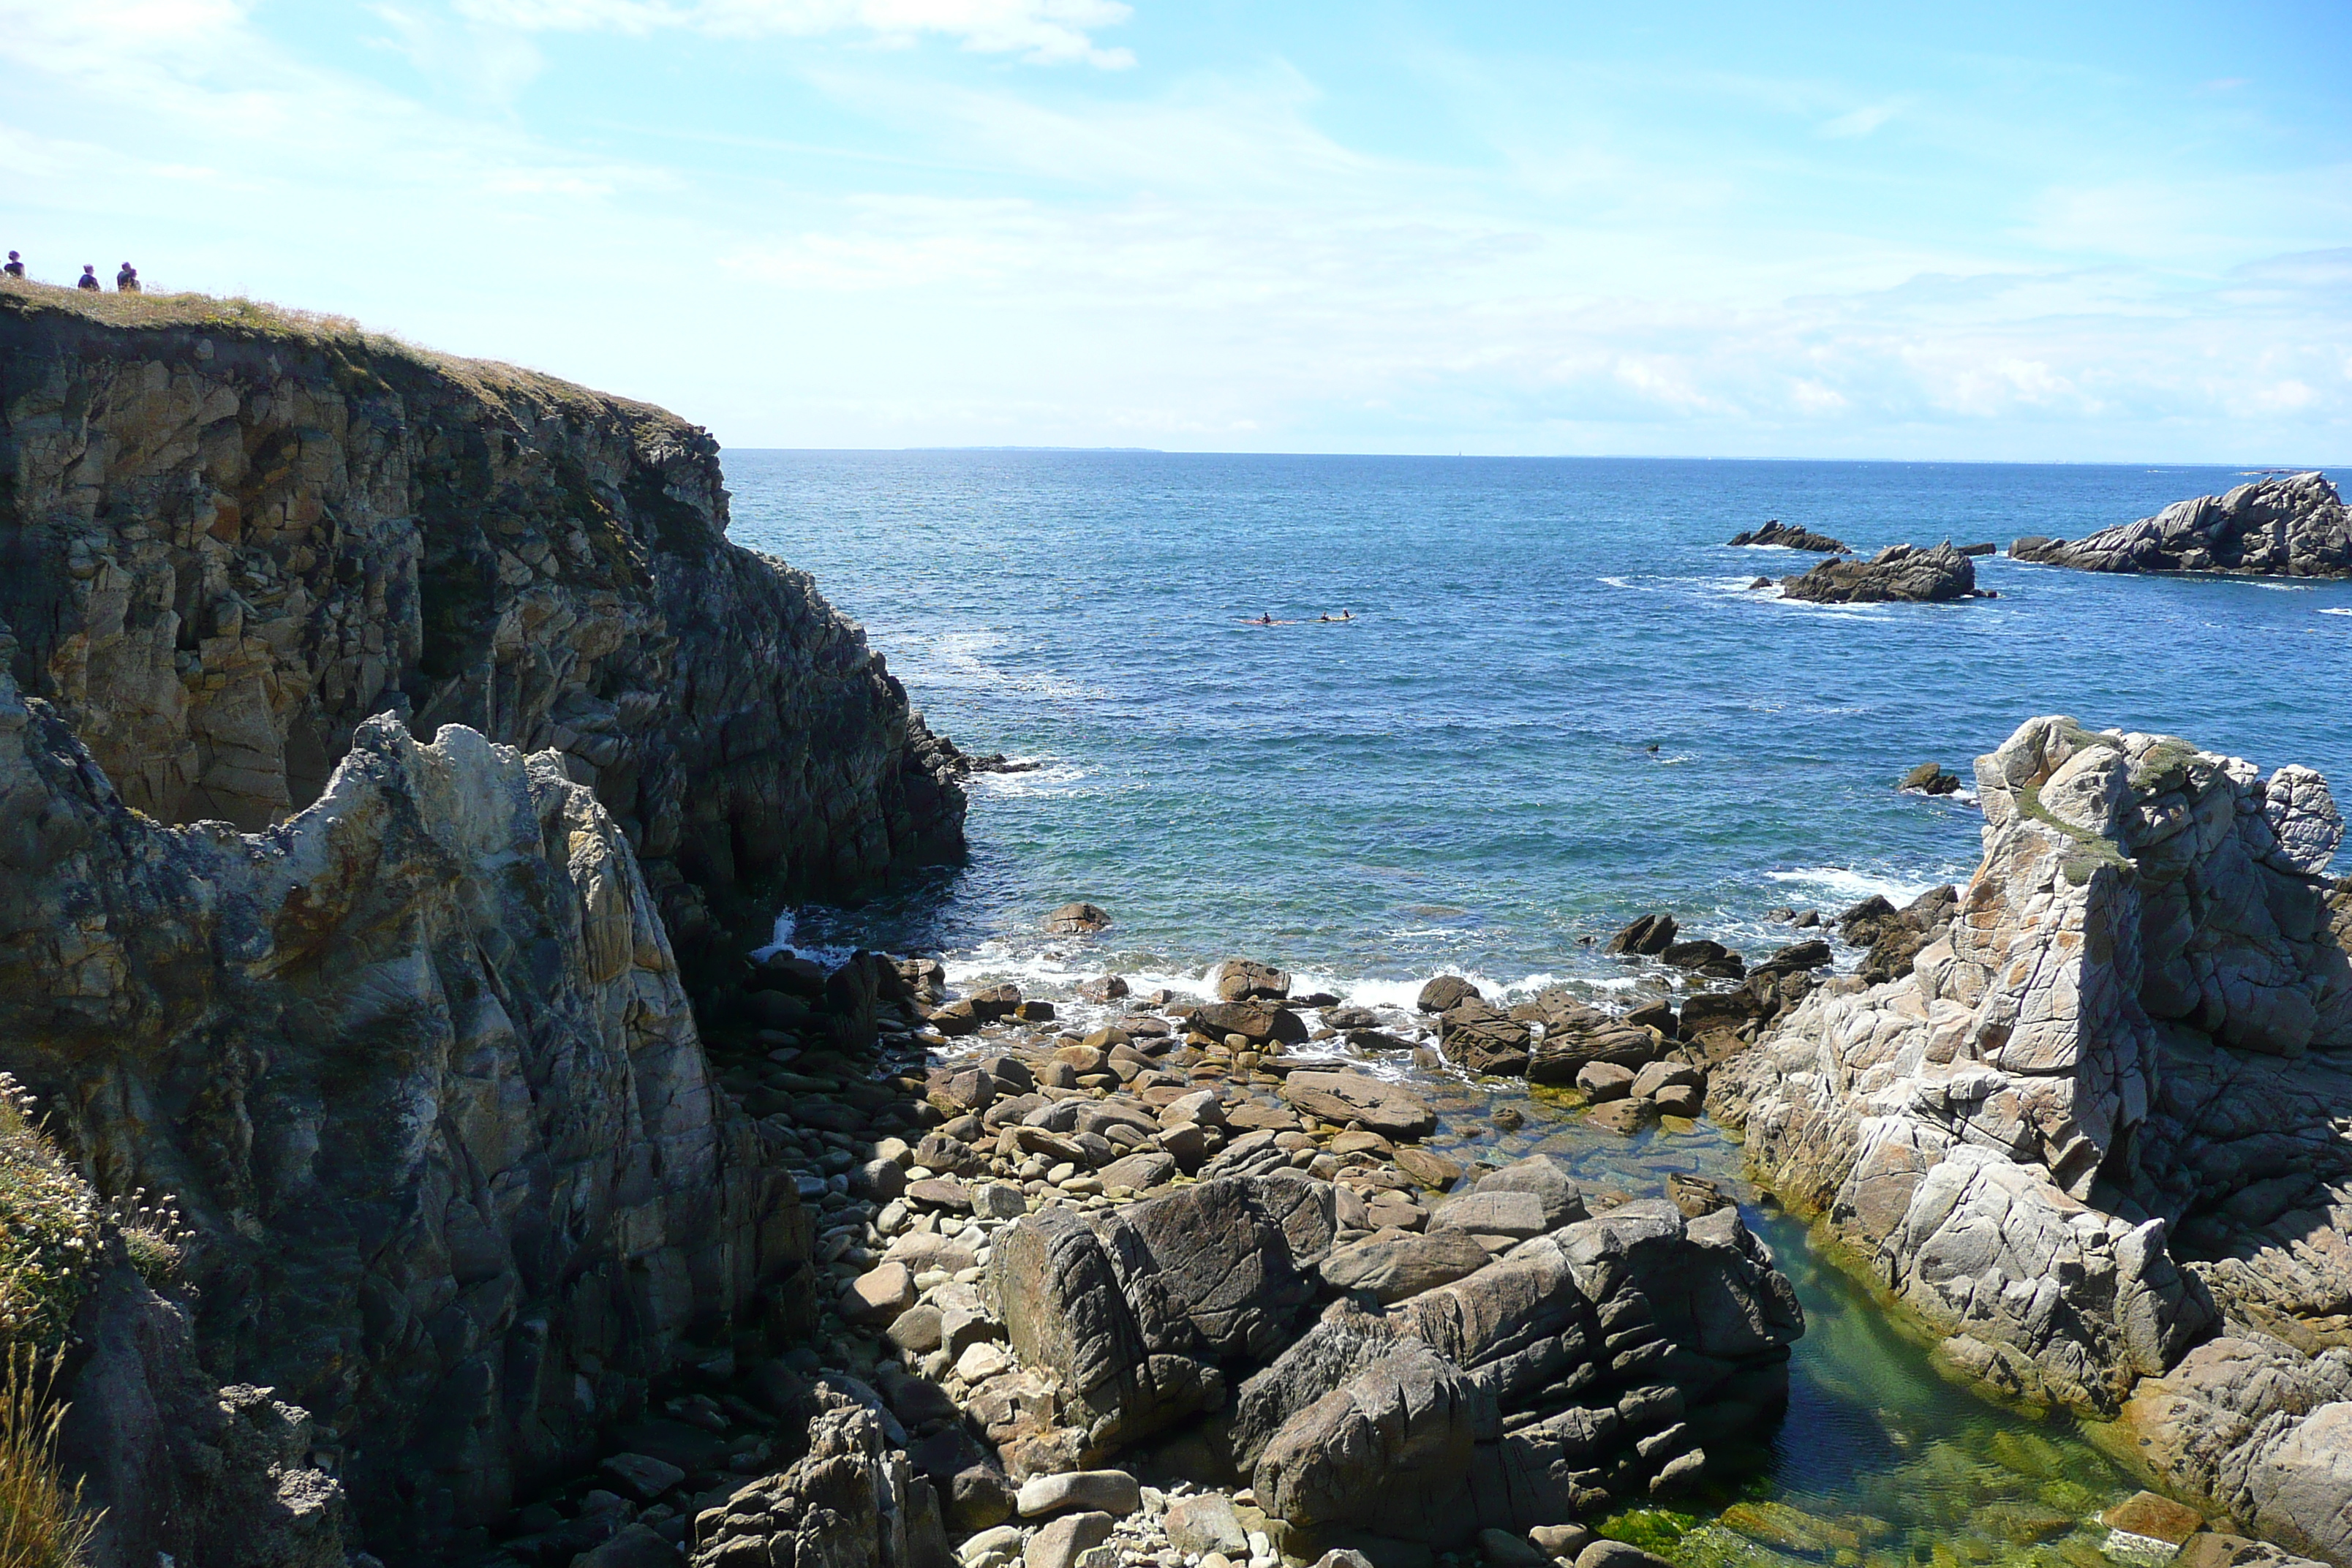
<point>2100,1121</point>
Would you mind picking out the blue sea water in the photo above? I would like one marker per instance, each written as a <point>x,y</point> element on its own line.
<point>1464,776</point>
<point>1559,704</point>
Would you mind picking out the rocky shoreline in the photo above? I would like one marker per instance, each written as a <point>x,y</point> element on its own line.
<point>394,757</point>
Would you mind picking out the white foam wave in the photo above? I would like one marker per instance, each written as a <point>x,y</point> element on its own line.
<point>1050,781</point>
<point>1851,887</point>
<point>1616,582</point>
<point>2338,610</point>
<point>780,936</point>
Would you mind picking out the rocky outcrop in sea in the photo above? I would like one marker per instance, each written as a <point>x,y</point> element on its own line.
<point>1899,574</point>
<point>1789,536</point>
<point>2291,525</point>
<point>2094,1137</point>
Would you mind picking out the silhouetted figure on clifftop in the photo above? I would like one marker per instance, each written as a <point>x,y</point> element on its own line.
<point>127,281</point>
<point>15,268</point>
<point>88,279</point>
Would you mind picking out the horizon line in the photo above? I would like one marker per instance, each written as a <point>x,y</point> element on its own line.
<point>2151,465</point>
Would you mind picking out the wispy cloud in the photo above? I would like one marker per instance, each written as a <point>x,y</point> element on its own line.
<point>1859,122</point>
<point>1047,32</point>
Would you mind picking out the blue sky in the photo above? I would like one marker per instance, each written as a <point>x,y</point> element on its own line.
<point>2096,232</point>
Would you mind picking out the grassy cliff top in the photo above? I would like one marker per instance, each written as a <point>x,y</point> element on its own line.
<point>236,319</point>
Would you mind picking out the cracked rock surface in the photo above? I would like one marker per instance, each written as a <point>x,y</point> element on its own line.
<point>2102,1118</point>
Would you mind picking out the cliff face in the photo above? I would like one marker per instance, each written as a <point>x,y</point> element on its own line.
<point>403,1022</point>
<point>223,548</point>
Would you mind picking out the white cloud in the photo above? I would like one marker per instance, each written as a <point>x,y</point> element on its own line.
<point>1047,32</point>
<point>1861,122</point>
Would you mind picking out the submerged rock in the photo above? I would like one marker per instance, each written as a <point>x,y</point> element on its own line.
<point>1930,778</point>
<point>2283,526</point>
<point>1789,537</point>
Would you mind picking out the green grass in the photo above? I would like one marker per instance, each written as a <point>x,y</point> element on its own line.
<point>49,1227</point>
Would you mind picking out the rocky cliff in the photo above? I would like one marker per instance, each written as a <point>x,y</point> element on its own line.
<point>404,1023</point>
<point>2284,526</point>
<point>227,537</point>
<point>2100,1121</point>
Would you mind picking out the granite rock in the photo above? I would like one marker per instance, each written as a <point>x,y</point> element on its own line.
<point>2291,525</point>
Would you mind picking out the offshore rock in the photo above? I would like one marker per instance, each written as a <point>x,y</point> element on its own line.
<point>1789,537</point>
<point>222,548</point>
<point>2282,526</point>
<point>419,1064</point>
<point>2099,1116</point>
<point>1898,572</point>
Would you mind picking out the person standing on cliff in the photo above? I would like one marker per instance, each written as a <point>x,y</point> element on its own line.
<point>127,281</point>
<point>15,268</point>
<point>88,278</point>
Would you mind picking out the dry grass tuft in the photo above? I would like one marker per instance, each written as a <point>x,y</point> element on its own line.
<point>41,1521</point>
<point>338,338</point>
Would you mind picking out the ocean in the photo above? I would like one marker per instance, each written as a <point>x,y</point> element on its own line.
<point>1558,704</point>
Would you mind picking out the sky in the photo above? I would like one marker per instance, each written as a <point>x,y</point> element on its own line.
<point>2088,232</point>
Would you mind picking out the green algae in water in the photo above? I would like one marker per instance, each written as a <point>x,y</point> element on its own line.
<point>1882,1462</point>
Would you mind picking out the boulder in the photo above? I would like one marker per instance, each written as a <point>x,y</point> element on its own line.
<point>1065,1541</point>
<point>1393,1265</point>
<point>1388,1108</point>
<point>1206,1523</point>
<point>1483,1039</point>
<point>878,1296</point>
<point>1513,1215</point>
<point>1566,1048</point>
<point>1552,1180</point>
<point>1465,1406</point>
<point>1445,994</point>
<point>1133,1309</point>
<point>1245,980</point>
<point>1114,1493</point>
<point>1078,920</point>
<point>1898,572</point>
<point>1258,1024</point>
<point>1645,938</point>
<point>1605,1081</point>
